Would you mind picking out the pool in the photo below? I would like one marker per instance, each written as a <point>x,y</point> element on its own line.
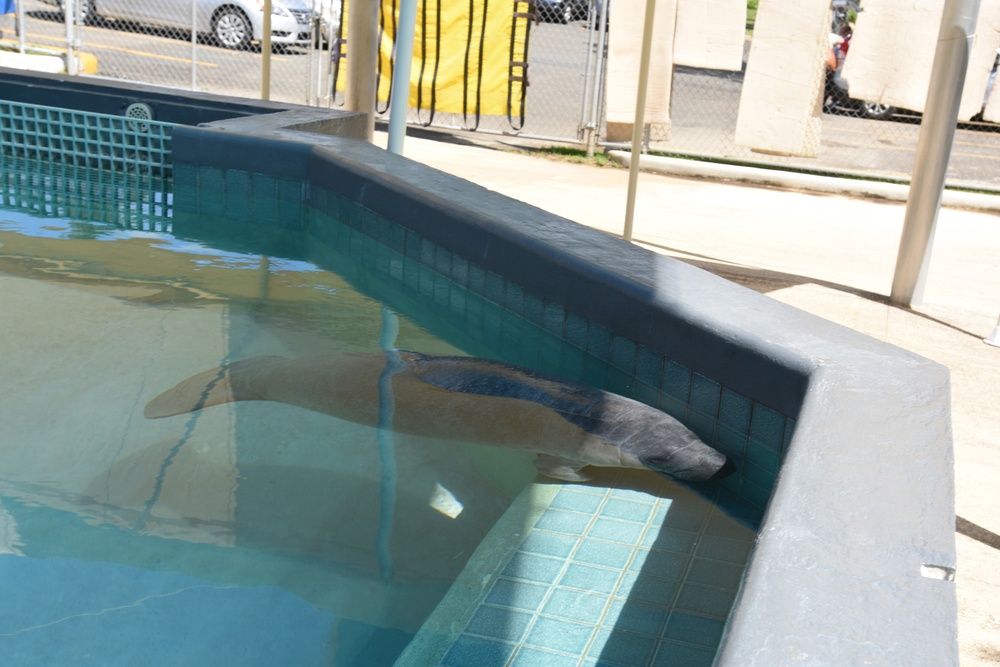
<point>828,430</point>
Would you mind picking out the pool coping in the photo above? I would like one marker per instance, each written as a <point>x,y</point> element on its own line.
<point>855,558</point>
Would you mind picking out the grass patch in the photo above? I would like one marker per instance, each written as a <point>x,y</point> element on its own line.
<point>578,155</point>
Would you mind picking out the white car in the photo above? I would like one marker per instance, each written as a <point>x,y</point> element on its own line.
<point>233,23</point>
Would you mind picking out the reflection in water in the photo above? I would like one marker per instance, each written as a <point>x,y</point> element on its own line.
<point>251,525</point>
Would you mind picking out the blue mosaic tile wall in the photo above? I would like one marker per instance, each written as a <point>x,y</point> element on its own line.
<point>509,320</point>
<point>613,577</point>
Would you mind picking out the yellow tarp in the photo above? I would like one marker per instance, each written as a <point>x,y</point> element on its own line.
<point>469,57</point>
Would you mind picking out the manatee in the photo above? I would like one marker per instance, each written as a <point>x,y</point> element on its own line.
<point>569,425</point>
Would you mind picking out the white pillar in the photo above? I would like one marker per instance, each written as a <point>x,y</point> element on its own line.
<point>937,132</point>
<point>362,55</point>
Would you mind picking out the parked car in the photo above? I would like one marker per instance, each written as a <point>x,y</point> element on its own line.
<point>233,23</point>
<point>562,11</point>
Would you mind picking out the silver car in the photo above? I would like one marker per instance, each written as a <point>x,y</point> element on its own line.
<point>233,23</point>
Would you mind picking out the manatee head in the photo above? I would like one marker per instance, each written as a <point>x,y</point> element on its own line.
<point>663,444</point>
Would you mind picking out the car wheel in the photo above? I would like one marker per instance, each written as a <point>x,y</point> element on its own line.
<point>876,111</point>
<point>232,28</point>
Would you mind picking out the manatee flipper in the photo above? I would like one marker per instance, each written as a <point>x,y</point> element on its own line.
<point>557,467</point>
<point>226,384</point>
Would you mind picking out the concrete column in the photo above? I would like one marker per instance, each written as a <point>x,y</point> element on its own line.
<point>362,56</point>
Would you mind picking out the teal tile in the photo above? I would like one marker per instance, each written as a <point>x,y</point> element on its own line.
<point>554,318</point>
<point>263,195</point>
<point>636,617</point>
<point>679,519</point>
<point>606,554</point>
<point>712,573</point>
<point>577,501</point>
<point>560,635</point>
<point>549,544</point>
<point>678,655</point>
<point>238,194</point>
<point>649,366</point>
<point>499,623</point>
<point>652,590</point>
<point>761,456</point>
<point>731,443</point>
<point>734,411</point>
<point>627,510</point>
<point>576,331</point>
<point>595,371</point>
<point>622,648</point>
<point>623,354</point>
<point>516,594</point>
<point>619,382</point>
<point>758,475</point>
<point>698,630</point>
<point>589,578</point>
<point>477,279</point>
<point>705,600</point>
<point>723,549</point>
<point>530,567</point>
<point>659,563</point>
<point>572,523</point>
<point>514,298</point>
<point>494,288</point>
<point>677,382</point>
<point>599,342</point>
<point>575,605</point>
<point>705,396</point>
<point>722,525</point>
<point>754,494</point>
<point>442,261</point>
<point>667,539</point>
<point>767,427</point>
<point>534,309</point>
<point>616,531</point>
<point>571,363</point>
<point>211,185</point>
<point>533,657</point>
<point>476,652</point>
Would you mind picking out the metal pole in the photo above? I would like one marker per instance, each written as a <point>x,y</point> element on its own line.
<point>994,338</point>
<point>386,442</point>
<point>19,17</point>
<point>594,124</point>
<point>194,44</point>
<point>640,111</point>
<point>70,10</point>
<point>362,54</point>
<point>400,94</point>
<point>937,133</point>
<point>265,53</point>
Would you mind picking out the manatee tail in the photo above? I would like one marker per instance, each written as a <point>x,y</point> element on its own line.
<point>226,384</point>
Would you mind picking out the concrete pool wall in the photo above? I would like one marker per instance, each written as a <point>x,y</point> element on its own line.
<point>843,443</point>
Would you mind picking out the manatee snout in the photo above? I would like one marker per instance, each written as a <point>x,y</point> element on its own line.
<point>672,449</point>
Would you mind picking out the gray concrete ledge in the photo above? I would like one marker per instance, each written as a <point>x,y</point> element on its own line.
<point>847,184</point>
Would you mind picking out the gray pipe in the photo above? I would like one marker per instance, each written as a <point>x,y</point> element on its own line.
<point>937,132</point>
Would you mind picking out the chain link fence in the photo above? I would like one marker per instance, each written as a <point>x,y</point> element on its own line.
<point>557,59</point>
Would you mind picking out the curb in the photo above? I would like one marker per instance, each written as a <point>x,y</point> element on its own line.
<point>847,185</point>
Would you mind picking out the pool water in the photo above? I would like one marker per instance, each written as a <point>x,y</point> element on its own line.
<point>253,533</point>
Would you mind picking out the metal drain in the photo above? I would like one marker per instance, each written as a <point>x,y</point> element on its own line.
<point>139,111</point>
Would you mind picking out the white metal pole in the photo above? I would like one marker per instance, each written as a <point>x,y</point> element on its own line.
<point>400,102</point>
<point>265,53</point>
<point>362,54</point>
<point>937,132</point>
<point>640,112</point>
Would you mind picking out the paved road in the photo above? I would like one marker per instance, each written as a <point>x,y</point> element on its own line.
<point>705,104</point>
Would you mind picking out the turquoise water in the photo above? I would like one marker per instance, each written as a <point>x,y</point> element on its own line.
<point>255,533</point>
<point>264,533</point>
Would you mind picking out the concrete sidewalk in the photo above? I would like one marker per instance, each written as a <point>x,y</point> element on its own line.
<point>832,255</point>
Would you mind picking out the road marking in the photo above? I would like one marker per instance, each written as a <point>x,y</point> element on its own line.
<point>95,47</point>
